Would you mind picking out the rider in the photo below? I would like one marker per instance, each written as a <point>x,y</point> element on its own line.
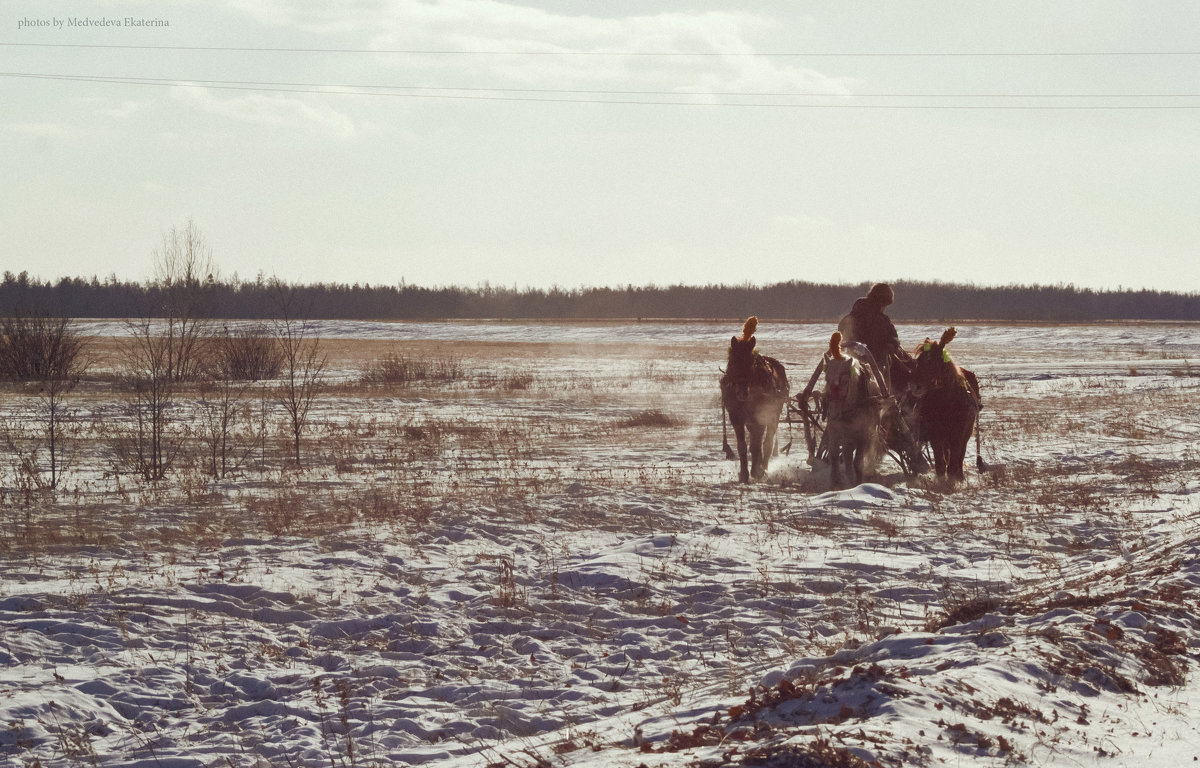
<point>868,324</point>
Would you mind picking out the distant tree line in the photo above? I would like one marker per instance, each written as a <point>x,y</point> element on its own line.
<point>792,300</point>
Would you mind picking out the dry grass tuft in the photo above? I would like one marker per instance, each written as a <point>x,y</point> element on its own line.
<point>653,418</point>
<point>401,370</point>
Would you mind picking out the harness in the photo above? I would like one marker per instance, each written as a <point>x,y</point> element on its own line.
<point>848,387</point>
<point>841,374</point>
<point>927,346</point>
<point>763,371</point>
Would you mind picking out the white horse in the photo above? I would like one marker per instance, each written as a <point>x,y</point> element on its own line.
<point>853,408</point>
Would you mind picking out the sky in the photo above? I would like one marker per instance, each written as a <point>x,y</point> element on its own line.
<point>576,144</point>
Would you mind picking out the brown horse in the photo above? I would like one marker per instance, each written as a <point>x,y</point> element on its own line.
<point>947,407</point>
<point>853,408</point>
<point>753,391</point>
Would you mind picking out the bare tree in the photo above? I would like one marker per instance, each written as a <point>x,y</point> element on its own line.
<point>303,367</point>
<point>184,280</point>
<point>164,348</point>
<point>37,347</point>
<point>227,429</point>
<point>150,443</point>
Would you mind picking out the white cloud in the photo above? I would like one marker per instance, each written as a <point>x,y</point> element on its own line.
<point>314,16</point>
<point>488,25</point>
<point>260,109</point>
<point>43,130</point>
<point>491,25</point>
<point>125,109</point>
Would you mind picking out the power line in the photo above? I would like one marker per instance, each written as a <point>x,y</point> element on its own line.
<point>319,88</point>
<point>437,52</point>
<point>393,91</point>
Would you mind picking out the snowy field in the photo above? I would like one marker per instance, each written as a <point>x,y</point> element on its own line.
<point>545,560</point>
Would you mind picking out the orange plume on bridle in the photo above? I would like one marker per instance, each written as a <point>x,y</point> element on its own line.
<point>835,345</point>
<point>749,327</point>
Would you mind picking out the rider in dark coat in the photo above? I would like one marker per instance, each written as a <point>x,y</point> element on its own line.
<point>868,324</point>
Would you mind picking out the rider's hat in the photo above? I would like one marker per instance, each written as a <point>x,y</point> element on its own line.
<point>881,294</point>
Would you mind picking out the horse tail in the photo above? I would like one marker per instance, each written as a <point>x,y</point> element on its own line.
<point>980,464</point>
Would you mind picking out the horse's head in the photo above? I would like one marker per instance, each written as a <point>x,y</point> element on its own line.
<point>841,372</point>
<point>741,350</point>
<point>933,368</point>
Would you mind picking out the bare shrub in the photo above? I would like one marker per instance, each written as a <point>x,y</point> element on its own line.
<point>42,443</point>
<point>36,347</point>
<point>396,369</point>
<point>250,353</point>
<point>227,428</point>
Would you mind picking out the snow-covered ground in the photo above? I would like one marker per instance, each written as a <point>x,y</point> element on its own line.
<point>545,574</point>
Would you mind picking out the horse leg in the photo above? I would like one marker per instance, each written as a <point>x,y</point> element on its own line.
<point>958,450</point>
<point>860,458</point>
<point>725,433</point>
<point>768,448</point>
<point>836,454</point>
<point>954,468</point>
<point>902,428</point>
<point>739,431</point>
<point>940,455</point>
<point>958,458</point>
<point>758,466</point>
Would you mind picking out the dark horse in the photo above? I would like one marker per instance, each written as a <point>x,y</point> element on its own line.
<point>753,391</point>
<point>947,406</point>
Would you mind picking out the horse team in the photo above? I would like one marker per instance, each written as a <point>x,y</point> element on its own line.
<point>929,400</point>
